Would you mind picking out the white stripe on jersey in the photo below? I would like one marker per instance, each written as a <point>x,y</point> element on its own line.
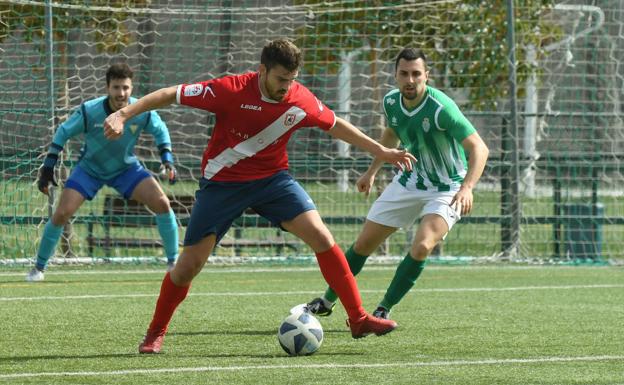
<point>255,144</point>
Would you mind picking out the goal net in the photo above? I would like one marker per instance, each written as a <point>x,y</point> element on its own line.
<point>551,190</point>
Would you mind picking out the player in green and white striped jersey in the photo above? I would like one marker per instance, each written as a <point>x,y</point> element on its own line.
<point>439,188</point>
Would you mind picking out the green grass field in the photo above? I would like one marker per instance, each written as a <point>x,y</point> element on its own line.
<point>460,325</point>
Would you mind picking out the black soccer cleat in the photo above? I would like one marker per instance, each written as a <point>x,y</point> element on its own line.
<point>381,312</point>
<point>317,307</point>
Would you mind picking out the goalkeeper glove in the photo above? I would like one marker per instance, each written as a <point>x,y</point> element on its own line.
<point>46,176</point>
<point>166,166</point>
<point>167,169</point>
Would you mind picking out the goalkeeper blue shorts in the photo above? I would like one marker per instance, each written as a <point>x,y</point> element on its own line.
<point>124,183</point>
<point>277,198</point>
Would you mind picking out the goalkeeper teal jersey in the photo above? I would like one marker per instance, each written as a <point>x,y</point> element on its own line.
<point>102,158</point>
<point>432,132</point>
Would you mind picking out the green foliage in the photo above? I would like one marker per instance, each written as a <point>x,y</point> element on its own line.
<point>465,41</point>
<point>106,18</point>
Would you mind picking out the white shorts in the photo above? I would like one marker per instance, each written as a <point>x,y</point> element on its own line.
<point>399,207</point>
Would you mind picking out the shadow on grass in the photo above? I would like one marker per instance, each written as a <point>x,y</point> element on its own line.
<point>56,281</point>
<point>65,357</point>
<point>244,332</point>
<point>276,355</point>
<point>164,353</point>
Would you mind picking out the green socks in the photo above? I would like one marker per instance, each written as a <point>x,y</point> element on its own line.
<point>406,275</point>
<point>356,262</point>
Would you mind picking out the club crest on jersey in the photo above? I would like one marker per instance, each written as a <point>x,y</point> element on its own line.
<point>390,101</point>
<point>193,90</point>
<point>394,121</point>
<point>426,125</point>
<point>134,128</point>
<point>289,120</point>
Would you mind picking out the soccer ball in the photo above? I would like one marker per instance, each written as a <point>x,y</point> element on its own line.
<point>300,334</point>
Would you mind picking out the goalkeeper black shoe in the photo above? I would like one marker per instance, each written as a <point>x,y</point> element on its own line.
<point>317,307</point>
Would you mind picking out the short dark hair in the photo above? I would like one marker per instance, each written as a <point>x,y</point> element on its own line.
<point>283,52</point>
<point>118,71</point>
<point>410,54</point>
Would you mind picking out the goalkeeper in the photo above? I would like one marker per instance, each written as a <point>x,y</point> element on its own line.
<point>104,162</point>
<point>438,191</point>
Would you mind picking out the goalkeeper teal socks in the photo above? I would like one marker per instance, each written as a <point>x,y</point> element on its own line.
<point>168,229</point>
<point>49,240</point>
<point>405,277</point>
<point>356,263</point>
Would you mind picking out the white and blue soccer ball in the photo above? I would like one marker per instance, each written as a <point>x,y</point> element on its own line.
<point>300,334</point>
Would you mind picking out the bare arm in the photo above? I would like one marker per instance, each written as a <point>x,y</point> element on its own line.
<point>366,180</point>
<point>388,139</point>
<point>349,133</point>
<point>478,154</point>
<point>113,125</point>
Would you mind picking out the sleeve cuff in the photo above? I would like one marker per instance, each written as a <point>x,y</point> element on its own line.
<point>179,94</point>
<point>166,156</point>
<point>50,160</point>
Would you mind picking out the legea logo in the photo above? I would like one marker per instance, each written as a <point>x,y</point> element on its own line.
<point>250,107</point>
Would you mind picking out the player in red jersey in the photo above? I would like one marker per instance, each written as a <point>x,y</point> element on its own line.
<point>245,165</point>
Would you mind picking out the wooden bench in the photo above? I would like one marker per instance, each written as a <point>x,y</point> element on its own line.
<point>119,212</point>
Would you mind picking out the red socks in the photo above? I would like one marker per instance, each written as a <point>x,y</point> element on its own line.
<point>168,300</point>
<point>337,273</point>
<point>334,268</point>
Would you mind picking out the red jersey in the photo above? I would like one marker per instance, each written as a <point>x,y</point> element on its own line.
<point>251,131</point>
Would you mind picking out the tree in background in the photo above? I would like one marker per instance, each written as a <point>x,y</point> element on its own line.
<point>465,40</point>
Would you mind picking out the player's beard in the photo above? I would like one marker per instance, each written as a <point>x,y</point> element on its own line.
<point>410,94</point>
<point>277,95</point>
<point>280,95</point>
<point>118,104</point>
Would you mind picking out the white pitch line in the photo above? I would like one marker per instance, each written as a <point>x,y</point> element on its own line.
<point>310,292</point>
<point>221,270</point>
<point>205,271</point>
<point>509,361</point>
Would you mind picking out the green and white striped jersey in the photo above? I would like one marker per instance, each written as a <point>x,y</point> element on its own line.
<point>432,132</point>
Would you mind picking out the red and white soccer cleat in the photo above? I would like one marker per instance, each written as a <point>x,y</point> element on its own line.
<point>371,325</point>
<point>152,342</point>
